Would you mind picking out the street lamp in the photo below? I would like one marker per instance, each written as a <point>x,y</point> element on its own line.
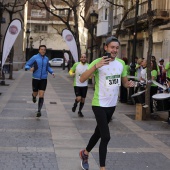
<point>133,65</point>
<point>31,43</point>
<point>31,47</point>
<point>41,38</point>
<point>27,35</point>
<point>93,20</point>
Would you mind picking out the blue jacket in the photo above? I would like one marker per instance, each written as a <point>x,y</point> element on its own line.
<point>41,66</point>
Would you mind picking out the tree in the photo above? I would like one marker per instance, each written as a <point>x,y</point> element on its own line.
<point>72,6</point>
<point>13,7</point>
<point>126,8</point>
<point>149,54</point>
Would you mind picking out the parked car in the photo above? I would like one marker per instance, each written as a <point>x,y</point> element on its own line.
<point>57,62</point>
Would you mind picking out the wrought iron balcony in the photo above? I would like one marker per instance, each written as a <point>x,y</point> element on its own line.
<point>159,12</point>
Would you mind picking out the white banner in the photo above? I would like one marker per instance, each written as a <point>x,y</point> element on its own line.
<point>70,41</point>
<point>11,34</point>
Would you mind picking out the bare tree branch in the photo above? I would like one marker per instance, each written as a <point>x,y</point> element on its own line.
<point>15,7</point>
<point>115,4</point>
<point>125,14</point>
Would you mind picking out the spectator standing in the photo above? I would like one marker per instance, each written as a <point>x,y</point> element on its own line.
<point>123,90</point>
<point>138,71</point>
<point>162,76</point>
<point>143,70</point>
<point>153,58</point>
<point>154,88</point>
<point>167,69</point>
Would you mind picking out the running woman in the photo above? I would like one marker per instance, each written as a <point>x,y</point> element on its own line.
<point>39,65</point>
<point>109,73</point>
<point>80,89</point>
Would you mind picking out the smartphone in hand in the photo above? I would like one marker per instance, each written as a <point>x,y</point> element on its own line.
<point>107,54</point>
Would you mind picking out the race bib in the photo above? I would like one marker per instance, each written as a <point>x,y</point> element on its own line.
<point>114,80</point>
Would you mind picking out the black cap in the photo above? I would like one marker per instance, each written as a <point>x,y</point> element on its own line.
<point>111,39</point>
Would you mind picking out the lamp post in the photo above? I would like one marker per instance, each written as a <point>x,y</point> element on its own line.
<point>31,46</point>
<point>31,43</point>
<point>93,20</point>
<point>133,65</point>
<point>41,38</point>
<point>27,50</point>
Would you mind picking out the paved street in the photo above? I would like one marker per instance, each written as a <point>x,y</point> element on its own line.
<point>53,141</point>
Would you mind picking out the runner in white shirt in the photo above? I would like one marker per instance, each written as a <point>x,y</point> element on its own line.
<point>80,89</point>
<point>109,74</point>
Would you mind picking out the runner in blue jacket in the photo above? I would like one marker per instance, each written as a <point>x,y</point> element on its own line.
<point>39,65</point>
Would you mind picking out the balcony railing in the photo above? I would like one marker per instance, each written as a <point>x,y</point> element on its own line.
<point>161,13</point>
<point>157,5</point>
<point>158,12</point>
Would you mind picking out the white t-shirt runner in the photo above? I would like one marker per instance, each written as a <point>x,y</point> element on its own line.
<point>107,82</point>
<point>79,68</point>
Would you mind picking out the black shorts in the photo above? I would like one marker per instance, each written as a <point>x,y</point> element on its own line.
<point>80,91</point>
<point>39,84</point>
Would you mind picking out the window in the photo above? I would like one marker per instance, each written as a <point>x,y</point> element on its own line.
<point>38,13</point>
<point>59,59</point>
<point>106,13</point>
<point>60,12</point>
<point>63,12</point>
<point>41,28</point>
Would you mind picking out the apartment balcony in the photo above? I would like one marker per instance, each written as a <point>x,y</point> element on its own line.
<point>160,15</point>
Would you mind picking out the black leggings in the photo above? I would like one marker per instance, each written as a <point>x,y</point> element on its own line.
<point>103,116</point>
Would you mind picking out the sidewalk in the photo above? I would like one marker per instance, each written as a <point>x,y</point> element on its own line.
<point>53,141</point>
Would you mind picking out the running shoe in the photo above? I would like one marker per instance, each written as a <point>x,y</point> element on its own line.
<point>80,114</point>
<point>74,108</point>
<point>84,160</point>
<point>34,99</point>
<point>38,114</point>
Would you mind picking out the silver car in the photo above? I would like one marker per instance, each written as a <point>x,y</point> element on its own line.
<point>57,62</point>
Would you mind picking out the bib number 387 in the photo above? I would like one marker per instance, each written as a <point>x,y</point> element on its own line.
<point>113,81</point>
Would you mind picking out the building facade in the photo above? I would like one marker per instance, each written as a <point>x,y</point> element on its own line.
<point>93,50</point>
<point>46,28</point>
<point>110,17</point>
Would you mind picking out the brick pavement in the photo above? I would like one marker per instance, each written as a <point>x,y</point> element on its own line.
<point>53,141</point>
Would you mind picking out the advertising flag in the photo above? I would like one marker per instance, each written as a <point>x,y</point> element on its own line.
<point>71,43</point>
<point>10,36</point>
